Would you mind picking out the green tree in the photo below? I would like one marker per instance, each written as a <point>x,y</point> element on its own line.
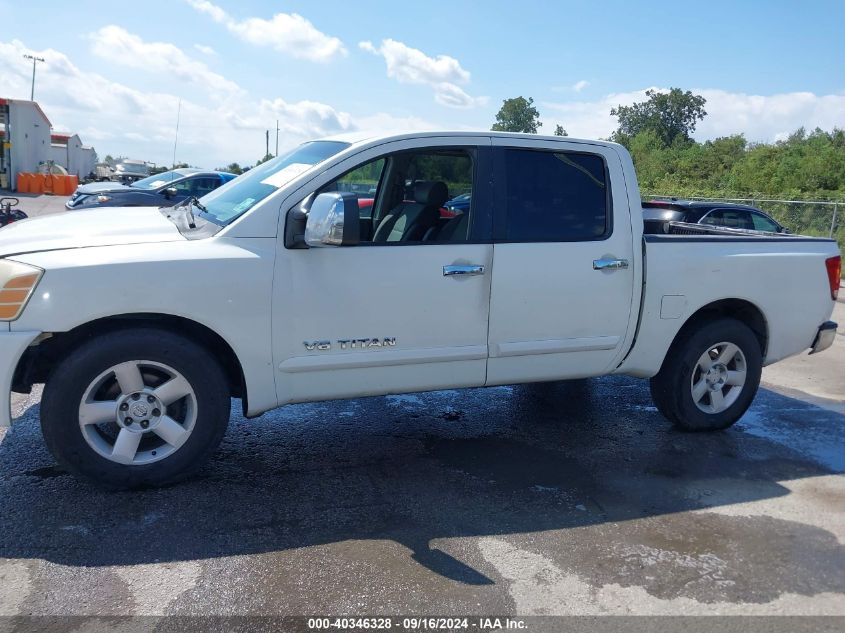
<point>265,159</point>
<point>670,115</point>
<point>807,165</point>
<point>517,115</point>
<point>559,131</point>
<point>233,168</point>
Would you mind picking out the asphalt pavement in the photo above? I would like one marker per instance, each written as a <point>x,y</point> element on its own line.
<point>35,205</point>
<point>560,498</point>
<point>570,498</point>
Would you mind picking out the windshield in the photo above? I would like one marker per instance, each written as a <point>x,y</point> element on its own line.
<point>242,193</point>
<point>156,181</point>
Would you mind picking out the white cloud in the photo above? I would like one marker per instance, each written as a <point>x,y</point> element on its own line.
<point>411,66</point>
<point>451,95</point>
<point>758,117</point>
<point>588,119</point>
<point>121,120</point>
<point>288,33</point>
<point>771,117</point>
<point>119,46</point>
<point>383,123</point>
<point>217,14</point>
<point>368,46</point>
<point>64,84</point>
<point>578,86</point>
<point>318,118</point>
<point>205,50</point>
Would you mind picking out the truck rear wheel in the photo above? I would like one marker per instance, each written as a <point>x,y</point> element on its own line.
<point>710,376</point>
<point>135,408</point>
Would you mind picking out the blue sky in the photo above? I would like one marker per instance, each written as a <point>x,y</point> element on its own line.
<point>116,71</point>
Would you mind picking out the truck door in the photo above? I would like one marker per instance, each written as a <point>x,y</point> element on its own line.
<point>407,308</point>
<point>563,272</point>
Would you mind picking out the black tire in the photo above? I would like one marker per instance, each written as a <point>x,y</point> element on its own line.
<point>671,388</point>
<point>71,378</point>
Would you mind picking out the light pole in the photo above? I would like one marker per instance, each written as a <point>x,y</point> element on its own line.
<point>176,138</point>
<point>34,60</point>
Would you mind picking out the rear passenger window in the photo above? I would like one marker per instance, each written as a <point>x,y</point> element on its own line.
<point>729,218</point>
<point>555,196</point>
<point>203,186</point>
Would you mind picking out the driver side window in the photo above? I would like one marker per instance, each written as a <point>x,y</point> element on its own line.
<point>182,187</point>
<point>423,196</point>
<point>762,223</point>
<point>363,181</point>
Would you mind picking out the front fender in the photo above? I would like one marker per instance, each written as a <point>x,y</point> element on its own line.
<point>12,347</point>
<point>223,285</point>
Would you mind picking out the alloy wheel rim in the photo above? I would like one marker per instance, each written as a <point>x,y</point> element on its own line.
<point>718,377</point>
<point>138,412</point>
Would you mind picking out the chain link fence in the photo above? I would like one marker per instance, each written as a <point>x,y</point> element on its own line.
<point>822,218</point>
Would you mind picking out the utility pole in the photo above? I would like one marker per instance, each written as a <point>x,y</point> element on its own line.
<point>267,139</point>
<point>34,61</point>
<point>277,137</point>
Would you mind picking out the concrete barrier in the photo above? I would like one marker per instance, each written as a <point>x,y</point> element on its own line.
<point>49,184</point>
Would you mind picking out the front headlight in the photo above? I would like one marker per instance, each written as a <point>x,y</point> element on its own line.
<point>17,283</point>
<point>102,198</point>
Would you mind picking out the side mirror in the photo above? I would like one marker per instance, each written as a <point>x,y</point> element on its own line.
<point>333,220</point>
<point>170,192</point>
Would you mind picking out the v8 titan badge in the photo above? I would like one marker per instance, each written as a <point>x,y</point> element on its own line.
<point>351,343</point>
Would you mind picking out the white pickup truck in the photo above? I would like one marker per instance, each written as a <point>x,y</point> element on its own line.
<point>363,266</point>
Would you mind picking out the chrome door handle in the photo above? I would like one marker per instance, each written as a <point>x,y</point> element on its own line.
<point>610,264</point>
<point>449,271</point>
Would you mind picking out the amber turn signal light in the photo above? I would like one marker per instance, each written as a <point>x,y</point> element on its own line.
<point>17,283</point>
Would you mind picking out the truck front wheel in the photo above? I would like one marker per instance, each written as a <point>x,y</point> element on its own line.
<point>710,376</point>
<point>134,408</point>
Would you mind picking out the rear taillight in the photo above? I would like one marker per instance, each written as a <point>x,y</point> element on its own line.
<point>834,273</point>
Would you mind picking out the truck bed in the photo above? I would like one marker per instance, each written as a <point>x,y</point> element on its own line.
<point>781,276</point>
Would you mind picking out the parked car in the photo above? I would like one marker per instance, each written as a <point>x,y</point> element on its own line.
<point>128,171</point>
<point>459,204</point>
<point>161,190</point>
<point>144,324</point>
<point>657,214</point>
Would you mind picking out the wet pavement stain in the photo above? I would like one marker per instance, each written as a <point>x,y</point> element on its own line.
<point>47,472</point>
<point>706,557</point>
<point>382,502</point>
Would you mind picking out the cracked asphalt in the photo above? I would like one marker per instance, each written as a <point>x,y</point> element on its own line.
<point>573,498</point>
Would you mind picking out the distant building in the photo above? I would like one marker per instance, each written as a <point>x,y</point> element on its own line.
<point>28,141</point>
<point>26,137</point>
<point>68,151</point>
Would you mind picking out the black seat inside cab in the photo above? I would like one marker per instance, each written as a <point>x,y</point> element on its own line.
<point>449,229</point>
<point>409,221</point>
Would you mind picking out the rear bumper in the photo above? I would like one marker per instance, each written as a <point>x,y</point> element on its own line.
<point>12,347</point>
<point>824,337</point>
